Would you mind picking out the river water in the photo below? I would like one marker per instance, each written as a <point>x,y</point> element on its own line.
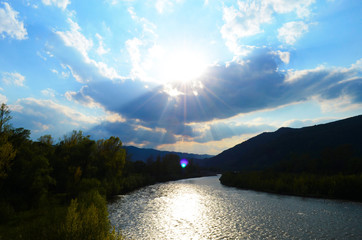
<point>202,208</point>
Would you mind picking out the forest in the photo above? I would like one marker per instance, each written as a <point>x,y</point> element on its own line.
<point>332,173</point>
<point>59,189</point>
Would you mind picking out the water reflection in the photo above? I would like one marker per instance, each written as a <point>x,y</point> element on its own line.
<point>180,212</point>
<point>203,209</point>
<point>184,206</point>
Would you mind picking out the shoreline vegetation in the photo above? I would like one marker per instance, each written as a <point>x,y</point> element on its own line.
<point>332,173</point>
<point>337,187</point>
<point>59,190</point>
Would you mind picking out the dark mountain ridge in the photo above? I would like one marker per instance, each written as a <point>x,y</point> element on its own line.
<point>270,148</point>
<point>142,154</point>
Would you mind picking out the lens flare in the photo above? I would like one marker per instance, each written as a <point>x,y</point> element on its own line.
<point>184,163</point>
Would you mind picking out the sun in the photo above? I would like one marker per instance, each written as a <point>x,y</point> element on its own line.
<point>171,65</point>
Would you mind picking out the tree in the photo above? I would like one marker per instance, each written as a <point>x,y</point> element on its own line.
<point>7,153</point>
<point>111,159</point>
<point>4,117</point>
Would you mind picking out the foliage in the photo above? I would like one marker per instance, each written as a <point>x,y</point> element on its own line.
<point>87,219</point>
<point>5,117</point>
<point>58,190</point>
<point>39,179</point>
<point>7,154</point>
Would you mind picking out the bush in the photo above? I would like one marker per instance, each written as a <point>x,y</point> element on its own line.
<point>87,219</point>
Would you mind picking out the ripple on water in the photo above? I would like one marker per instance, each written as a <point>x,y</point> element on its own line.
<point>203,209</point>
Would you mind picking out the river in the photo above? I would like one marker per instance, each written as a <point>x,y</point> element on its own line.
<point>202,208</point>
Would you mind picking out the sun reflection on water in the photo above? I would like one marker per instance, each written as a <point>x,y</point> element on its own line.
<point>185,206</point>
<point>181,213</point>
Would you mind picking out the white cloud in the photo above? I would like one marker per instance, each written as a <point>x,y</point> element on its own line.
<point>147,26</point>
<point>162,5</point>
<point>248,17</point>
<point>245,21</point>
<point>58,3</point>
<point>114,117</point>
<point>344,103</point>
<point>10,25</point>
<point>13,78</point>
<point>301,7</point>
<point>76,76</point>
<point>290,32</point>
<point>48,92</point>
<point>74,38</point>
<point>284,56</point>
<point>49,117</point>
<point>101,50</point>
<point>40,127</point>
<point>48,109</point>
<point>132,46</point>
<point>3,98</point>
<point>81,98</point>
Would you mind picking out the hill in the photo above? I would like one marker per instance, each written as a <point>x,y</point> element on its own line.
<point>271,148</point>
<point>142,154</point>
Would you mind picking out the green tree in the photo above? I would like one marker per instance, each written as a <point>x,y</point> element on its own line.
<point>7,152</point>
<point>111,157</point>
<point>5,117</point>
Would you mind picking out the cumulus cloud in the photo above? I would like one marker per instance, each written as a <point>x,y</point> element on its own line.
<point>132,46</point>
<point>48,92</point>
<point>75,40</point>
<point>301,7</point>
<point>133,133</point>
<point>290,32</point>
<point>10,24</point>
<point>48,115</point>
<point>223,91</point>
<point>81,98</point>
<point>14,78</point>
<point>244,21</point>
<point>249,84</point>
<point>284,56</point>
<point>249,17</point>
<point>58,3</point>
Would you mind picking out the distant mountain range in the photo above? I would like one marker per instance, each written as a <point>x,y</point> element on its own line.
<point>269,148</point>
<point>142,154</point>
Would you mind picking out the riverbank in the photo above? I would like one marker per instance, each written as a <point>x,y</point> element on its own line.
<point>338,186</point>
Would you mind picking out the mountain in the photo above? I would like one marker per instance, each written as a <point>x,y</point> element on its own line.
<point>142,154</point>
<point>270,148</point>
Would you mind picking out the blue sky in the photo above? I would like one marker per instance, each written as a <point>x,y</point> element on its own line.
<point>183,75</point>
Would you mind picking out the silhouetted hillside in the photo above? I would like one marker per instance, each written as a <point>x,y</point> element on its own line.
<point>270,149</point>
<point>142,154</point>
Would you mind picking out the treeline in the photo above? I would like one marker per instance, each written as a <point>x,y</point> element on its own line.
<point>336,173</point>
<point>58,190</point>
<point>138,174</point>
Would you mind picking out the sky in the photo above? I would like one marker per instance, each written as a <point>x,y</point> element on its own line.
<point>196,76</point>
